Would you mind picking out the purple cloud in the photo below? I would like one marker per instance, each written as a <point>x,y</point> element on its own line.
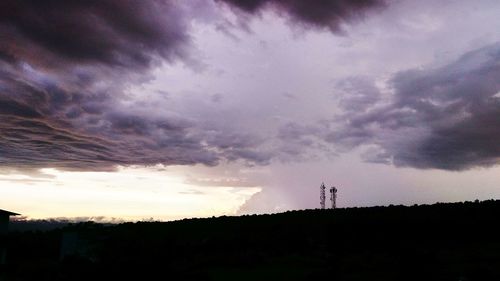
<point>64,67</point>
<point>124,33</point>
<point>329,14</point>
<point>443,118</point>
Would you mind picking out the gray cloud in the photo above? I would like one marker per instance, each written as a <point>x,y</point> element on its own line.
<point>64,103</point>
<point>329,14</point>
<point>356,93</point>
<point>64,70</point>
<point>121,33</point>
<point>444,117</point>
<point>304,142</point>
<point>46,125</point>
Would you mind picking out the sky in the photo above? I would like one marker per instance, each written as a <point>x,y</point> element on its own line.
<point>169,109</point>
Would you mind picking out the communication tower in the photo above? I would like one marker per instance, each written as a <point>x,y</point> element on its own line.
<point>333,196</point>
<point>322,195</point>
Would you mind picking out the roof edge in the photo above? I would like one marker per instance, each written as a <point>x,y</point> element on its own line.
<point>9,213</point>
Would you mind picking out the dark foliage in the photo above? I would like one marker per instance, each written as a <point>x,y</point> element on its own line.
<point>442,242</point>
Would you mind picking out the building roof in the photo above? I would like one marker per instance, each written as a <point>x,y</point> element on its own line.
<point>3,212</point>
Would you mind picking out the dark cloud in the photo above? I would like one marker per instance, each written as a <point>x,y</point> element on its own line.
<point>64,69</point>
<point>55,33</point>
<point>329,14</point>
<point>47,126</point>
<point>444,118</point>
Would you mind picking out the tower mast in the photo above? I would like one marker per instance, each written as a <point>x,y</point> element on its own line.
<point>322,195</point>
<point>333,196</point>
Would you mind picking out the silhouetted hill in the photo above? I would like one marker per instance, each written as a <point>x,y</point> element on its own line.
<point>458,241</point>
<point>37,225</point>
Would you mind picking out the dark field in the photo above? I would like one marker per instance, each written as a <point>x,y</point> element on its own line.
<point>459,241</point>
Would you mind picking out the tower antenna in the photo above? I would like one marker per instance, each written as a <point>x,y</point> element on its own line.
<point>333,196</point>
<point>322,195</point>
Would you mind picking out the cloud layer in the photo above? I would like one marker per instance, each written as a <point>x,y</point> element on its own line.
<point>329,14</point>
<point>56,33</point>
<point>65,66</point>
<point>65,71</point>
<point>444,118</point>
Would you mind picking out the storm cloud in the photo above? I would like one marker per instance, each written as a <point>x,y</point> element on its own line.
<point>444,117</point>
<point>56,33</point>
<point>329,14</point>
<point>65,67</point>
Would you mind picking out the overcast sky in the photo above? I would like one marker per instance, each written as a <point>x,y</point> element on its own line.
<point>169,109</point>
